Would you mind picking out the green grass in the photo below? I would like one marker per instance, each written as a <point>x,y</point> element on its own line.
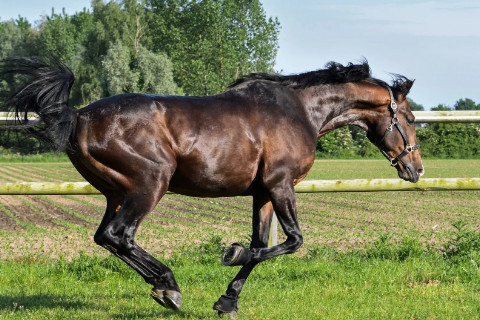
<point>387,281</point>
<point>40,157</point>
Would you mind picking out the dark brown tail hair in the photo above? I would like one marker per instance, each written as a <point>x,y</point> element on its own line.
<point>43,87</point>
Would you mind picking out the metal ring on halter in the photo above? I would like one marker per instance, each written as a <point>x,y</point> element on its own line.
<point>409,148</point>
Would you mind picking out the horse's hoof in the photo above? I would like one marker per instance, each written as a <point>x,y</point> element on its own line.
<point>236,255</point>
<point>169,299</point>
<point>226,306</point>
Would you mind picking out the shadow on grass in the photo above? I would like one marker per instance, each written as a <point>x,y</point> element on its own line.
<point>38,301</point>
<point>19,304</point>
<point>163,314</point>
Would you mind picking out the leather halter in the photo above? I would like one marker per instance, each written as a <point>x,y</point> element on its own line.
<point>408,147</point>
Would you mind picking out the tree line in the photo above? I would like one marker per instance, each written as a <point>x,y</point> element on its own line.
<point>183,47</point>
<point>151,46</point>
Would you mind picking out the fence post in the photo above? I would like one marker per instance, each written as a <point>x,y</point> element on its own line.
<point>273,237</point>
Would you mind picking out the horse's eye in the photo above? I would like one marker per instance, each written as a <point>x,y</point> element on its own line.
<point>410,120</point>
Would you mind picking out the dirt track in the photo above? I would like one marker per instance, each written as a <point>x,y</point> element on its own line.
<point>64,225</point>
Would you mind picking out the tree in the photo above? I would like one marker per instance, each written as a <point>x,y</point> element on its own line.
<point>118,74</point>
<point>145,72</point>
<point>212,42</point>
<point>13,36</point>
<point>336,143</point>
<point>156,73</point>
<point>466,104</point>
<point>415,106</point>
<point>12,39</point>
<point>57,37</point>
<point>458,140</point>
<point>441,107</point>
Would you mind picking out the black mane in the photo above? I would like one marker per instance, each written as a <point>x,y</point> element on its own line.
<point>334,72</point>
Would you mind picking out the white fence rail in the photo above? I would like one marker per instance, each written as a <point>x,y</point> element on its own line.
<point>307,186</point>
<point>446,116</point>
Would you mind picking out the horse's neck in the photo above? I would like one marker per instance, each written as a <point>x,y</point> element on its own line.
<point>333,106</point>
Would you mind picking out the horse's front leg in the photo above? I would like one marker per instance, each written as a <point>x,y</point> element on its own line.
<point>282,196</point>
<point>262,217</point>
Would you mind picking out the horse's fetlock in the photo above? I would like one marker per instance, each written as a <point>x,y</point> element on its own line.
<point>126,244</point>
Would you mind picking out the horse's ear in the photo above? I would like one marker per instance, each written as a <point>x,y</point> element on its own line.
<point>404,89</point>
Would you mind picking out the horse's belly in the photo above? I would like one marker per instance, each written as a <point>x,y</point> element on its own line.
<point>207,184</point>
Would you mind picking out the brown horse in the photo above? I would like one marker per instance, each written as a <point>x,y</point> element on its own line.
<point>258,139</point>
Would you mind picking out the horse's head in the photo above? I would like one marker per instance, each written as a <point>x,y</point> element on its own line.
<point>392,130</point>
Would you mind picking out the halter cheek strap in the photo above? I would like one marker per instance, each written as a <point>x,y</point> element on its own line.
<point>395,123</point>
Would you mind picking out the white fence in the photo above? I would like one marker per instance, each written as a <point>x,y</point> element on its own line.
<point>307,186</point>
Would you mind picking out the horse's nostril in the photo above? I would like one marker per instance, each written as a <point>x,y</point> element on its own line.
<point>420,171</point>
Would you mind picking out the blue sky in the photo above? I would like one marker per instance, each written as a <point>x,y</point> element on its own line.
<point>435,42</point>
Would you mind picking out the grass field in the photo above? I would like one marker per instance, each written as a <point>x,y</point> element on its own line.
<point>383,255</point>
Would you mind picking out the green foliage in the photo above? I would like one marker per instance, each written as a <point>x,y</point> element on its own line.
<point>336,141</point>
<point>11,39</point>
<point>466,104</point>
<point>210,251</point>
<point>7,156</point>
<point>211,43</point>
<point>119,76</point>
<point>441,107</point>
<point>452,140</point>
<point>21,143</point>
<point>145,72</point>
<point>156,73</point>
<point>464,245</point>
<point>385,248</point>
<point>415,106</point>
<point>57,37</point>
<point>346,142</point>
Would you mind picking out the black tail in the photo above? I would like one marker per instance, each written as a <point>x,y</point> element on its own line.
<point>43,88</point>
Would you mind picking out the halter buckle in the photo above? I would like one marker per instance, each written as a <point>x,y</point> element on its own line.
<point>409,148</point>
<point>394,162</point>
<point>393,105</point>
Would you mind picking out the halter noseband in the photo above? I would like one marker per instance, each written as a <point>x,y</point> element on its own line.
<point>408,147</point>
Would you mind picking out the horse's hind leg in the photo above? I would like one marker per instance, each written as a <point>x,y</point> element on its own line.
<point>116,234</point>
<point>262,216</point>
